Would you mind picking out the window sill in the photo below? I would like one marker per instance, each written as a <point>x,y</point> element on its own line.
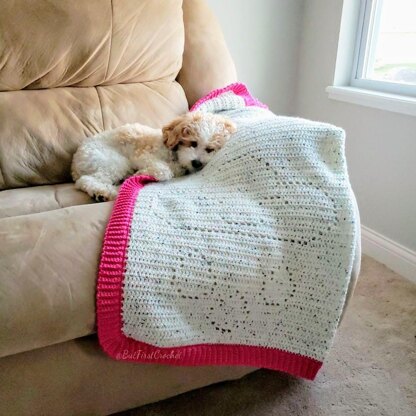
<point>383,101</point>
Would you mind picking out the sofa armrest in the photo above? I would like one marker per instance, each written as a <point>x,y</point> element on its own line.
<point>207,63</point>
<point>48,269</point>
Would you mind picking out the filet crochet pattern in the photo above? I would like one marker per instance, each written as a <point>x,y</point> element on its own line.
<point>244,263</point>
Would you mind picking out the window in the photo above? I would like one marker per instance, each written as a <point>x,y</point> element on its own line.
<point>385,53</point>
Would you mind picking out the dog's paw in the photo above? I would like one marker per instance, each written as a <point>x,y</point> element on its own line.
<point>104,196</point>
<point>160,172</point>
<point>99,198</point>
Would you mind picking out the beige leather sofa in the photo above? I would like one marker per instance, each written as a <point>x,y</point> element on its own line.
<point>69,69</point>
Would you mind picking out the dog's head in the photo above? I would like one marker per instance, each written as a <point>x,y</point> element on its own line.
<point>195,138</point>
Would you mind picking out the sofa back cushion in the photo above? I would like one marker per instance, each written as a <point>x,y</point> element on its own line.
<point>69,70</point>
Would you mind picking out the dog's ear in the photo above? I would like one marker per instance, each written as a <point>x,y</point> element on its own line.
<point>229,126</point>
<point>170,134</point>
<point>186,131</point>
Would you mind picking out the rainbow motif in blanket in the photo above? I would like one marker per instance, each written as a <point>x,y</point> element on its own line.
<point>246,262</point>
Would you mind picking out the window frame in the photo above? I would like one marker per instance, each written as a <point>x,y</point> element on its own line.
<point>366,41</point>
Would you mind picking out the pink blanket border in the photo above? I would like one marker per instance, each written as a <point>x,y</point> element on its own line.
<point>110,298</point>
<point>238,89</point>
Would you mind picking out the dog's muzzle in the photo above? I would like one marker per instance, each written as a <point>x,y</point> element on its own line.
<point>196,164</point>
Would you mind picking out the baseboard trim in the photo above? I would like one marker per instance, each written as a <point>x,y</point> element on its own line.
<point>395,256</point>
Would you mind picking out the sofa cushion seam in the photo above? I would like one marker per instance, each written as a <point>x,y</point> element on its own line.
<point>101,107</point>
<point>111,41</point>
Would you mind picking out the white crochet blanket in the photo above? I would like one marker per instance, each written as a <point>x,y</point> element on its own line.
<point>246,262</point>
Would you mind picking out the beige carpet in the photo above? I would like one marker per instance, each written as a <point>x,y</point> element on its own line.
<point>371,369</point>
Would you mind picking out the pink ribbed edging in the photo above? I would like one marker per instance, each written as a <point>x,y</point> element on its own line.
<point>109,310</point>
<point>238,89</point>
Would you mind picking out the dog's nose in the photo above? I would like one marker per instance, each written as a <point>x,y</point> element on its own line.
<point>196,164</point>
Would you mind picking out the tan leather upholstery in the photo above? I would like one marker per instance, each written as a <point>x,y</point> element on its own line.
<point>207,64</point>
<point>77,378</point>
<point>48,273</point>
<point>24,201</point>
<point>48,44</point>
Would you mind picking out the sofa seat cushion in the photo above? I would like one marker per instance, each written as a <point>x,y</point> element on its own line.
<point>48,266</point>
<point>35,199</point>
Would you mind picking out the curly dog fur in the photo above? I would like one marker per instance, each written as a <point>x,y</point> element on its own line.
<point>183,146</point>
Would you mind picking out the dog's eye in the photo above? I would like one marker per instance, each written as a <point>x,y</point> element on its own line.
<point>175,148</point>
<point>209,150</point>
<point>194,144</point>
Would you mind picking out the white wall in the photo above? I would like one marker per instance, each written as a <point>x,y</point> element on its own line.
<point>285,51</point>
<point>380,146</point>
<point>263,37</point>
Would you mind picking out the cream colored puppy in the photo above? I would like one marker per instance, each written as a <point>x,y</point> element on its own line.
<point>183,146</point>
